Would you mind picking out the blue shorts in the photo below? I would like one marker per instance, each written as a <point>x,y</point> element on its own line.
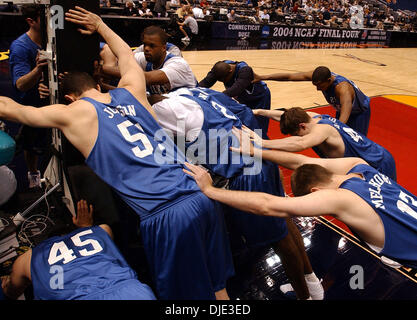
<point>256,230</point>
<point>187,248</point>
<point>387,166</point>
<point>126,290</point>
<point>263,102</point>
<point>359,122</point>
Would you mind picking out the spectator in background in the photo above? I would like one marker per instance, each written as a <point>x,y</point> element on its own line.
<point>198,12</point>
<point>326,14</point>
<point>308,9</point>
<point>204,3</point>
<point>189,27</point>
<point>264,15</point>
<point>145,11</point>
<point>26,68</point>
<point>295,7</point>
<point>130,10</point>
<point>231,16</point>
<point>105,3</point>
<point>182,11</point>
<point>160,8</point>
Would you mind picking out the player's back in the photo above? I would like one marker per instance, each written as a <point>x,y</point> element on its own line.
<point>360,103</point>
<point>358,145</point>
<point>78,265</point>
<point>395,206</point>
<point>133,154</point>
<point>212,147</point>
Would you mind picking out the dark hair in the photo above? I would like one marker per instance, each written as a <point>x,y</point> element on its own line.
<point>32,11</point>
<point>221,69</point>
<point>61,230</point>
<point>77,83</point>
<point>155,30</point>
<point>307,176</point>
<point>321,74</point>
<point>291,118</point>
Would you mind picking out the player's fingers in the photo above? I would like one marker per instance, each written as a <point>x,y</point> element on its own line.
<point>189,173</point>
<point>82,9</point>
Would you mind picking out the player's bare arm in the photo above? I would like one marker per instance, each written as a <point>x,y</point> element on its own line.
<point>14,285</point>
<point>132,77</point>
<point>315,204</point>
<point>344,91</point>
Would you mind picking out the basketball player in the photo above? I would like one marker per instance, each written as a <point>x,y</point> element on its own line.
<point>170,47</point>
<point>207,116</point>
<point>182,230</point>
<point>237,78</point>
<point>164,71</point>
<point>351,104</point>
<point>376,209</point>
<point>82,265</point>
<point>329,138</point>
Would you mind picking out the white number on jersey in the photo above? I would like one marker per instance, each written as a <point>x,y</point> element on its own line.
<point>60,251</point>
<point>147,146</point>
<point>353,134</point>
<point>403,204</point>
<point>223,110</point>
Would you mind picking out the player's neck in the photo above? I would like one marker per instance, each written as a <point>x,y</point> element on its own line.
<point>97,95</point>
<point>339,179</point>
<point>158,64</point>
<point>35,36</point>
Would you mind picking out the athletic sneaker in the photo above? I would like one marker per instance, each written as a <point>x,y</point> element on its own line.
<point>185,39</point>
<point>314,287</point>
<point>34,179</point>
<point>390,263</point>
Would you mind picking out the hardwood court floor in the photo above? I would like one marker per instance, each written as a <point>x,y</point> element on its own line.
<point>377,72</point>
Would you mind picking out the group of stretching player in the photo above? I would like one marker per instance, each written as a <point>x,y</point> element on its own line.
<point>127,137</point>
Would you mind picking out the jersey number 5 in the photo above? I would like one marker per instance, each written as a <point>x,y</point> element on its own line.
<point>139,136</point>
<point>60,251</point>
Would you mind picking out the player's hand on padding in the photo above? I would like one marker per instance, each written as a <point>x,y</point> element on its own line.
<point>200,175</point>
<point>90,21</point>
<point>84,216</point>
<point>43,91</point>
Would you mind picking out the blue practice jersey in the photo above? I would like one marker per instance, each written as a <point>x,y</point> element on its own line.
<point>256,96</point>
<point>23,52</point>
<point>358,145</point>
<point>361,102</point>
<point>158,88</point>
<point>252,95</point>
<point>396,207</point>
<point>243,112</point>
<point>134,155</point>
<point>212,146</point>
<point>80,265</point>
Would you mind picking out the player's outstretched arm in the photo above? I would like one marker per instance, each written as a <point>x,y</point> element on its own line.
<point>314,204</point>
<point>298,76</point>
<point>132,76</point>
<point>53,116</point>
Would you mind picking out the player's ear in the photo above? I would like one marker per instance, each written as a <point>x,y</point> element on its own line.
<point>70,98</point>
<point>314,189</point>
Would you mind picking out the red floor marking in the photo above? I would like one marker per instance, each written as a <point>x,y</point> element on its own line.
<point>393,125</point>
